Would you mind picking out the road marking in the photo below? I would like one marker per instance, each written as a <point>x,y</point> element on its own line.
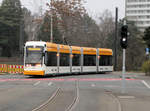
<point>93,85</point>
<point>2,81</point>
<point>72,79</point>
<point>111,86</point>
<point>37,83</point>
<point>126,97</point>
<point>145,84</point>
<point>50,83</point>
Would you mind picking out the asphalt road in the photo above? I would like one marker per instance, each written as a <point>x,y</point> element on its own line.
<point>92,92</point>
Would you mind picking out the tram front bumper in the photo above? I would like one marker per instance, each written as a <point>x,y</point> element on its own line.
<point>40,73</point>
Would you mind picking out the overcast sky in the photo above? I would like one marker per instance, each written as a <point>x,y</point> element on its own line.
<point>98,6</point>
<point>93,6</point>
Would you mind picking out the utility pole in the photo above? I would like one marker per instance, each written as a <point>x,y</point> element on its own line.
<point>125,8</point>
<point>21,38</point>
<point>51,28</point>
<point>116,39</point>
<point>51,34</point>
<point>41,9</point>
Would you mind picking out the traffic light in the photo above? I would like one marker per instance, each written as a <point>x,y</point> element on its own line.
<point>124,35</point>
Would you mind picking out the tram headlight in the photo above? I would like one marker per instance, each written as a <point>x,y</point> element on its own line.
<point>38,65</point>
<point>28,65</point>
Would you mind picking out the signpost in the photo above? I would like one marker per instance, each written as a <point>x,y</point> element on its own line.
<point>147,53</point>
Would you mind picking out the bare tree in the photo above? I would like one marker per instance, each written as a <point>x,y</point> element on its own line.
<point>67,12</point>
<point>30,25</point>
<point>106,27</point>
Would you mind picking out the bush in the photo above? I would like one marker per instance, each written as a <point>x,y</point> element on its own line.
<point>146,68</point>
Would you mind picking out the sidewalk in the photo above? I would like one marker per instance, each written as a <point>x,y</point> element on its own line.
<point>133,102</point>
<point>134,75</point>
<point>134,99</point>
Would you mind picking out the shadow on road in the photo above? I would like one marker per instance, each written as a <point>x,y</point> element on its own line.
<point>64,75</point>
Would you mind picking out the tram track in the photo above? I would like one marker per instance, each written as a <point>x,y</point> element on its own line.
<point>39,108</point>
<point>76,99</point>
<point>61,100</point>
<point>119,107</point>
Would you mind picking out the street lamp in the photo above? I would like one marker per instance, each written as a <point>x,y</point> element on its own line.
<point>51,39</point>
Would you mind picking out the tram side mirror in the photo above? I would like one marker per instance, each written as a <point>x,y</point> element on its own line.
<point>45,59</point>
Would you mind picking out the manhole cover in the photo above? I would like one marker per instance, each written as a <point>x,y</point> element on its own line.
<point>108,91</point>
<point>127,77</point>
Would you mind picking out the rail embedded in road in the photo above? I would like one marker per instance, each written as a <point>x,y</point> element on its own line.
<point>61,100</point>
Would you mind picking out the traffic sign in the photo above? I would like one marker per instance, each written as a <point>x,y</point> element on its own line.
<point>147,51</point>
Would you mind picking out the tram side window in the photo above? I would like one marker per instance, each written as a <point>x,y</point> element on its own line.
<point>51,59</point>
<point>105,60</point>
<point>110,60</point>
<point>101,61</point>
<point>89,60</point>
<point>76,60</point>
<point>64,59</point>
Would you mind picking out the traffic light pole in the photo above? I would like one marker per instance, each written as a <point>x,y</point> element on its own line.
<point>124,67</point>
<point>123,71</point>
<point>124,35</point>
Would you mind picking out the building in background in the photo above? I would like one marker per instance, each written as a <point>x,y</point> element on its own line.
<point>138,11</point>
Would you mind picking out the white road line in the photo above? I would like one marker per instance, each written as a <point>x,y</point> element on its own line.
<point>37,83</point>
<point>50,83</point>
<point>93,85</point>
<point>126,97</point>
<point>146,84</point>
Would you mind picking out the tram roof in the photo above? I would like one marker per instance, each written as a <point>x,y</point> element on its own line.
<point>76,49</point>
<point>51,46</point>
<point>35,43</point>
<point>103,51</point>
<point>64,49</point>
<point>90,51</point>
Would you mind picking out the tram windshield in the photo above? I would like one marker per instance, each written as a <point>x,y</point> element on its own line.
<point>34,56</point>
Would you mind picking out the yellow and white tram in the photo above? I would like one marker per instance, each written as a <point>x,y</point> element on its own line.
<point>45,58</point>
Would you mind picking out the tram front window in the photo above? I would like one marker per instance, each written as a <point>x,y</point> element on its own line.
<point>33,57</point>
